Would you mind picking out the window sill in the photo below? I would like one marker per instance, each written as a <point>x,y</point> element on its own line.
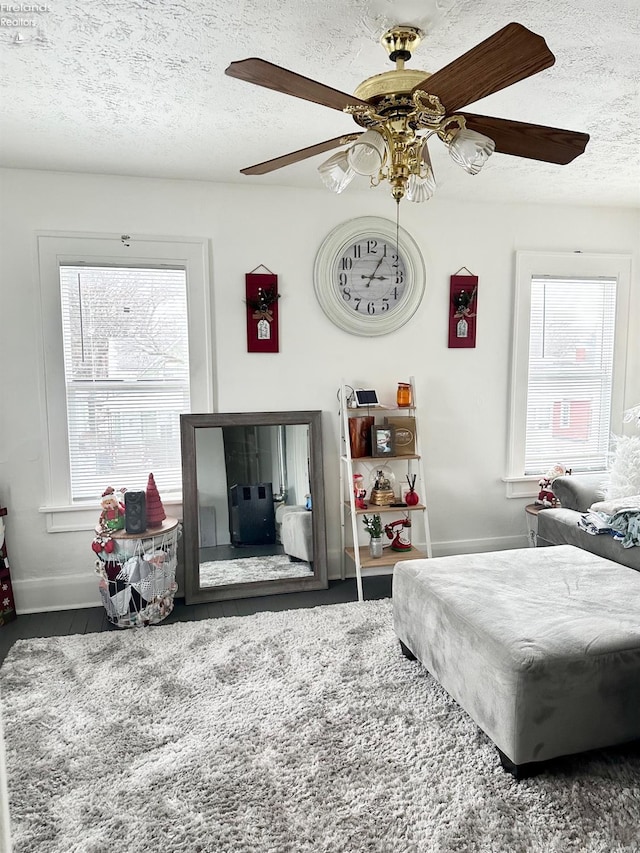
<point>68,519</point>
<point>528,487</point>
<point>521,487</point>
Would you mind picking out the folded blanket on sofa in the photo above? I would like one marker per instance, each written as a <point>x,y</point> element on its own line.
<point>627,524</point>
<point>620,517</point>
<point>595,523</point>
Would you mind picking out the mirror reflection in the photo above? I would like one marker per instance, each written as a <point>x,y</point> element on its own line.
<point>253,504</point>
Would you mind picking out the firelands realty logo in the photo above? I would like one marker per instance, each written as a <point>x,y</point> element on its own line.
<point>11,14</point>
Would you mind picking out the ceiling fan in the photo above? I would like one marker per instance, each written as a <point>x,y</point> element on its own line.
<point>400,110</point>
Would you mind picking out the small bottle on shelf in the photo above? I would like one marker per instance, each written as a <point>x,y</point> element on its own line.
<point>403,395</point>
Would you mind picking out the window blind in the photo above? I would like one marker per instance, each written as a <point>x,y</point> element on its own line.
<point>570,376</point>
<point>126,365</point>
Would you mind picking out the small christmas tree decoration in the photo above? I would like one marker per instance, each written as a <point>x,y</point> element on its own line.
<point>155,511</point>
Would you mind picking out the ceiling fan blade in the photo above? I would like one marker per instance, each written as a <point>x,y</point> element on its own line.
<point>264,73</point>
<point>510,55</point>
<point>534,141</point>
<point>295,156</point>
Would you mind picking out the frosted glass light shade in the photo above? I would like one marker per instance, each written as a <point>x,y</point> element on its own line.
<point>471,150</point>
<point>336,173</point>
<point>421,188</point>
<point>366,155</point>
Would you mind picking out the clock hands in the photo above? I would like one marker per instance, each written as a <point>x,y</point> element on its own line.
<point>371,277</point>
<point>377,277</point>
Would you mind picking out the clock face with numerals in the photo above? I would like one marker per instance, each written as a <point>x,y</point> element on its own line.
<point>371,277</point>
<point>368,277</point>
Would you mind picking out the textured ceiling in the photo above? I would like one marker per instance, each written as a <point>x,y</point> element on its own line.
<point>136,87</point>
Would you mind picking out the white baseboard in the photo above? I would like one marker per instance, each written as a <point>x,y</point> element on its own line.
<point>66,592</point>
<point>476,546</point>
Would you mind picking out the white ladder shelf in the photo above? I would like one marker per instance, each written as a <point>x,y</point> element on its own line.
<point>353,551</point>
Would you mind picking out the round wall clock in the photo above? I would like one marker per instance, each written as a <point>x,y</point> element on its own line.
<point>368,279</point>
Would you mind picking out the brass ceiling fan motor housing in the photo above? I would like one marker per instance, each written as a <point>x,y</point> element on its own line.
<point>403,82</point>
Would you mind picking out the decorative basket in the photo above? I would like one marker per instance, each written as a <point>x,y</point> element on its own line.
<point>137,580</point>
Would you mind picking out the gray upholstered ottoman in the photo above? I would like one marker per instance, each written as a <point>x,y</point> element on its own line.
<point>540,646</point>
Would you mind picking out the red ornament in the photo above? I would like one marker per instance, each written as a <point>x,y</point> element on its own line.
<point>411,498</point>
<point>155,511</point>
<point>103,542</point>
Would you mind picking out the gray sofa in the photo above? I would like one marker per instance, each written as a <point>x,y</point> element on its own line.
<point>559,526</point>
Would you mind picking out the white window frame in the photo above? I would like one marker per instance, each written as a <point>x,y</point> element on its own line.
<point>567,265</point>
<point>55,248</point>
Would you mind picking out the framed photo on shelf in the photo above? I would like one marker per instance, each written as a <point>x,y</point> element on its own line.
<point>383,440</point>
<point>405,435</point>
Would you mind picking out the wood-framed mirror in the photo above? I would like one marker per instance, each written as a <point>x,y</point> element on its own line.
<point>253,504</point>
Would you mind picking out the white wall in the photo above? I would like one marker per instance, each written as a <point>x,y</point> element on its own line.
<point>462,393</point>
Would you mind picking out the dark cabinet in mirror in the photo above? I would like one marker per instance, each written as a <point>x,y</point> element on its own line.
<point>253,504</point>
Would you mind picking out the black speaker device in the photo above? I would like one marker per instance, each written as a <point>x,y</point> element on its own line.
<point>135,512</point>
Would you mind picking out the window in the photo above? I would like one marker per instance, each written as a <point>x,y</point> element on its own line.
<point>570,373</point>
<point>569,357</point>
<point>126,335</point>
<point>126,367</point>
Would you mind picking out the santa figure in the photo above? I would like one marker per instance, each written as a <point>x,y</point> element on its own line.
<point>112,515</point>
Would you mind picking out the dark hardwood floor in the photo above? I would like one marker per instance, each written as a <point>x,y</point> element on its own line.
<point>90,620</point>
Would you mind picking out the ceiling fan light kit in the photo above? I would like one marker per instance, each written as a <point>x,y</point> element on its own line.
<point>420,188</point>
<point>400,110</point>
<point>367,155</point>
<point>336,173</point>
<point>470,150</point>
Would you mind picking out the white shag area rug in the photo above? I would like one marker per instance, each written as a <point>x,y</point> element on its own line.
<point>286,732</point>
<point>251,570</point>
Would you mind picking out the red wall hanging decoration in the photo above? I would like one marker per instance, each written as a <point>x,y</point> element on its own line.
<point>262,311</point>
<point>463,305</point>
<point>7,606</point>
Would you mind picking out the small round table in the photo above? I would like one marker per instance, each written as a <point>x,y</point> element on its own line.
<point>137,579</point>
<point>532,511</point>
